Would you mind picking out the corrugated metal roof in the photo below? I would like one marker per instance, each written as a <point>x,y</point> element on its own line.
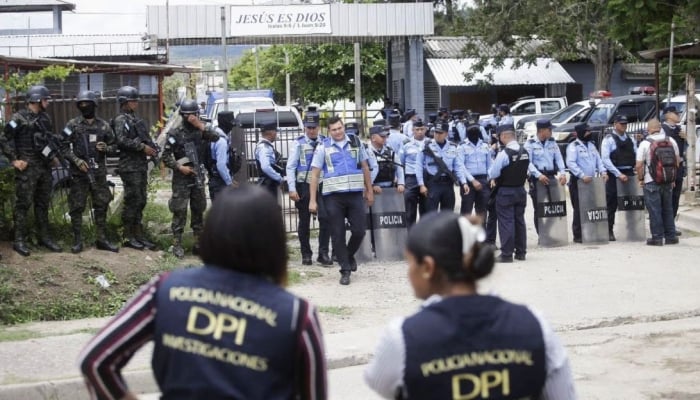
<point>639,68</point>
<point>349,22</point>
<point>61,46</point>
<point>101,66</point>
<point>34,5</point>
<point>450,72</point>
<point>453,46</point>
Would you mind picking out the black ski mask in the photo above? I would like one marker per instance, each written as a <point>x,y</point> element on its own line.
<point>581,130</point>
<point>473,134</point>
<point>87,109</point>
<point>225,119</point>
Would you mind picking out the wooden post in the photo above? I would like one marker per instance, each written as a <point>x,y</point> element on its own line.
<point>692,107</point>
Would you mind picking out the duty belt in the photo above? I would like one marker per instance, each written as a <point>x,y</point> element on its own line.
<point>442,179</point>
<point>480,176</point>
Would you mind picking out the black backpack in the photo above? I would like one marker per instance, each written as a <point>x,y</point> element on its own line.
<point>234,163</point>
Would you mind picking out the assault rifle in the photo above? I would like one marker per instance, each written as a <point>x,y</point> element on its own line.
<point>45,141</point>
<point>142,132</point>
<point>442,167</point>
<point>192,154</point>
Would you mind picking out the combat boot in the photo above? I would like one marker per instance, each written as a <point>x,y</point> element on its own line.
<point>178,251</point>
<point>130,240</point>
<point>20,246</point>
<point>141,237</point>
<point>77,243</point>
<point>195,245</point>
<point>103,244</point>
<point>46,241</point>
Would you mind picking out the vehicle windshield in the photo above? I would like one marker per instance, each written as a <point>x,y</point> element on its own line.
<point>566,113</point>
<point>236,106</point>
<point>680,106</point>
<point>601,114</point>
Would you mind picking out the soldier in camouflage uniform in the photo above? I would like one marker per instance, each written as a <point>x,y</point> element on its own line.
<point>29,144</point>
<point>184,185</point>
<point>86,140</point>
<point>135,148</point>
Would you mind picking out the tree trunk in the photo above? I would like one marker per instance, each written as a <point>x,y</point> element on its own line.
<point>603,61</point>
<point>449,11</point>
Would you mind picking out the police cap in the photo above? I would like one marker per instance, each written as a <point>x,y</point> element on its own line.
<point>442,127</point>
<point>670,109</point>
<point>379,122</point>
<point>409,113</point>
<point>378,130</point>
<point>505,128</point>
<point>311,119</point>
<point>418,124</point>
<point>504,108</point>
<point>620,119</point>
<point>268,126</point>
<point>543,123</point>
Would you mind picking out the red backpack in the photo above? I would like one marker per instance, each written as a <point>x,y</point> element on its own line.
<point>663,164</point>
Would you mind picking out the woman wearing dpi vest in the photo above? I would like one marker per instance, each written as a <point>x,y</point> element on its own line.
<point>462,345</point>
<point>227,330</point>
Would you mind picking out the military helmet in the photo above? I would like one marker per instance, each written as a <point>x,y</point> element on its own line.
<point>37,93</point>
<point>87,95</point>
<point>189,106</point>
<point>127,93</point>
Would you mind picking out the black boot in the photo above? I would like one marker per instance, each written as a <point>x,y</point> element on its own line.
<point>141,237</point>
<point>178,251</point>
<point>102,243</point>
<point>46,241</point>
<point>77,242</point>
<point>130,240</point>
<point>20,246</point>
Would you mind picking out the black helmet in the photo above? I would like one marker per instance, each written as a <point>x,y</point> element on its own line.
<point>127,93</point>
<point>189,106</point>
<point>37,93</point>
<point>87,95</point>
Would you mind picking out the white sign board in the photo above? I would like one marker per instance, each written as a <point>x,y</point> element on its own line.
<point>280,20</point>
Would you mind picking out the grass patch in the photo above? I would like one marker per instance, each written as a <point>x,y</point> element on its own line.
<point>17,335</point>
<point>295,277</point>
<point>335,310</point>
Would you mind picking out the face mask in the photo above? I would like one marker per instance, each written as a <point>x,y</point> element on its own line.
<point>473,135</point>
<point>87,110</point>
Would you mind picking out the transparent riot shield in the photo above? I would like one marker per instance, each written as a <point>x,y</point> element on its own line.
<point>551,214</point>
<point>594,212</point>
<point>631,215</point>
<point>385,239</point>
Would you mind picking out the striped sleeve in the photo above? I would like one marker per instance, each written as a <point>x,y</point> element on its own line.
<point>311,376</point>
<point>103,358</point>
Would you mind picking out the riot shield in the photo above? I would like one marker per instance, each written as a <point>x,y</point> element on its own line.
<point>386,228</point>
<point>594,212</point>
<point>630,215</point>
<point>551,214</point>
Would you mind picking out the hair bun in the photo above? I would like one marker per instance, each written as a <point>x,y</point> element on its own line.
<point>484,260</point>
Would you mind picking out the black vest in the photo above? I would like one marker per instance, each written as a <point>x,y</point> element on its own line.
<point>623,155</point>
<point>478,345</point>
<point>385,162</point>
<point>29,138</point>
<point>515,173</point>
<point>674,133</point>
<point>223,334</point>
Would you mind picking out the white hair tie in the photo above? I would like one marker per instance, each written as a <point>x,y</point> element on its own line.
<point>470,234</point>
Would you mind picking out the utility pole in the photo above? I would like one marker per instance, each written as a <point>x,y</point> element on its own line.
<point>358,86</point>
<point>692,108</point>
<point>670,62</point>
<point>224,61</point>
<point>287,82</point>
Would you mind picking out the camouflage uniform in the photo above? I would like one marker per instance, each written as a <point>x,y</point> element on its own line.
<point>25,137</point>
<point>79,146</point>
<point>183,186</point>
<point>133,169</point>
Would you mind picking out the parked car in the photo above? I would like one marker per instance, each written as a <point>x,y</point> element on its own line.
<point>573,113</point>
<point>530,105</point>
<point>637,108</point>
<point>236,104</point>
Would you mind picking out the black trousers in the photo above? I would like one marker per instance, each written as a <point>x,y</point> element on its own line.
<point>532,184</point>
<point>611,195</point>
<point>476,199</point>
<point>573,191</point>
<point>340,206</point>
<point>304,223</point>
<point>676,194</point>
<point>441,194</point>
<point>413,199</point>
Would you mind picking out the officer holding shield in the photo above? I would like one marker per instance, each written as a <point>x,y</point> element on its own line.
<point>412,196</point>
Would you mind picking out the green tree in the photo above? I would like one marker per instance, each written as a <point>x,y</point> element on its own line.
<point>527,29</point>
<point>318,73</point>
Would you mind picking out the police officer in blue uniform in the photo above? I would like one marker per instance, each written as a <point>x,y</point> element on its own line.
<point>618,152</point>
<point>507,175</point>
<point>437,181</point>
<point>412,196</point>
<point>584,163</point>
<point>384,163</point>
<point>504,117</point>
<point>475,154</point>
<point>410,117</point>
<point>396,139</point>
<point>346,178</point>
<point>458,127</point>
<point>298,178</point>
<point>267,159</point>
<point>546,162</point>
<point>437,352</point>
<point>220,176</point>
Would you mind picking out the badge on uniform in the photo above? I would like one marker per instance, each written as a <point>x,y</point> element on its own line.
<point>353,152</point>
<point>46,151</point>
<point>67,131</point>
<point>126,126</point>
<point>92,137</point>
<point>13,124</point>
<point>171,140</point>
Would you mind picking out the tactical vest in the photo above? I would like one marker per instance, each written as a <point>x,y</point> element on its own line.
<point>273,164</point>
<point>129,161</point>
<point>223,334</point>
<point>623,155</point>
<point>473,347</point>
<point>306,154</point>
<point>385,162</point>
<point>674,133</point>
<point>24,134</point>
<point>515,173</point>
<point>342,171</point>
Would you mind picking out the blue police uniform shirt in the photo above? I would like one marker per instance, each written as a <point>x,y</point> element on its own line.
<point>396,140</point>
<point>449,154</point>
<point>409,154</point>
<point>506,120</point>
<point>608,146</point>
<point>476,158</point>
<point>408,128</point>
<point>296,167</point>
<point>583,159</point>
<point>502,160</point>
<point>544,157</point>
<point>374,166</point>
<point>219,152</point>
<point>461,130</point>
<point>265,154</point>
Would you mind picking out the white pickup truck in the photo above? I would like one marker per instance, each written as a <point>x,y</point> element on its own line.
<point>531,105</point>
